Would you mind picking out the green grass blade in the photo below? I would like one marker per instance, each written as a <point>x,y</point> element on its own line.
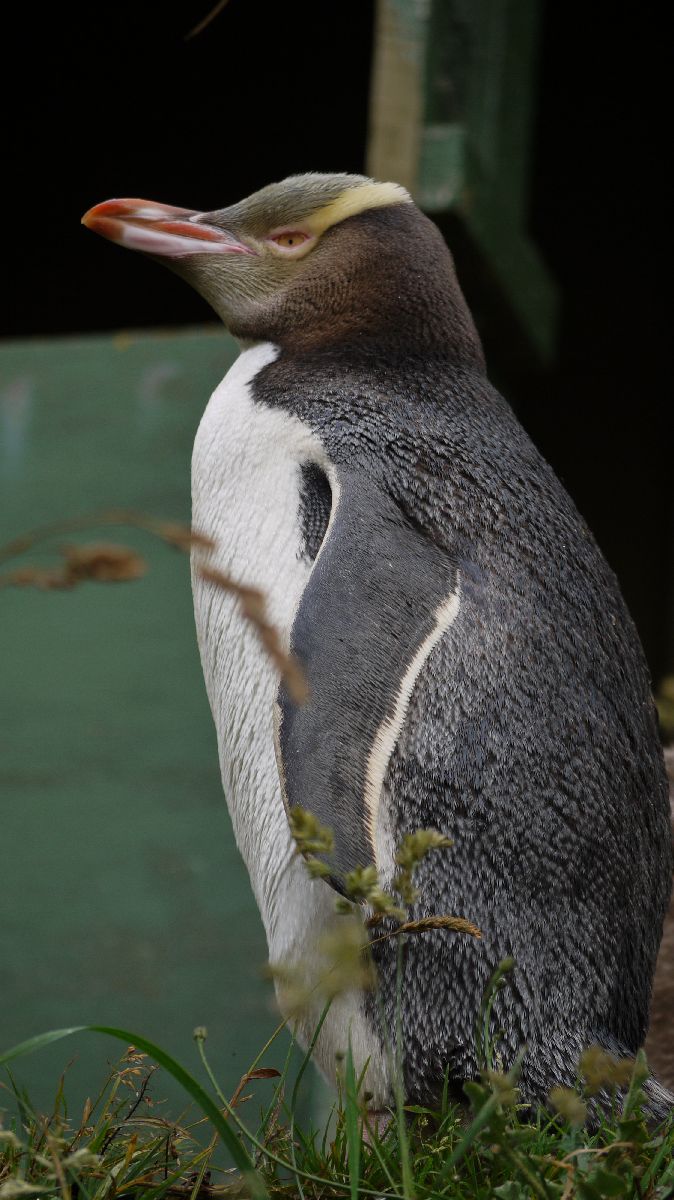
<point>195,1090</point>
<point>293,1100</point>
<point>279,1090</point>
<point>483,1038</point>
<point>351,1114</point>
<point>307,1057</point>
<point>334,1184</point>
<point>398,1082</point>
<point>639,1074</point>
<point>191,1086</point>
<point>380,1152</point>
<point>39,1043</point>
<point>480,1120</point>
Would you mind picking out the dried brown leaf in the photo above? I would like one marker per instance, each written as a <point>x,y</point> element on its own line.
<point>39,577</point>
<point>104,562</point>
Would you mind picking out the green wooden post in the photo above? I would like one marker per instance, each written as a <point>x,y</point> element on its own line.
<point>450,118</point>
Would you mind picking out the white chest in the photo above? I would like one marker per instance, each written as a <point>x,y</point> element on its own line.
<point>246,497</point>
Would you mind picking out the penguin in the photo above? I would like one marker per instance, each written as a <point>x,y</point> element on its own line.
<point>471,664</point>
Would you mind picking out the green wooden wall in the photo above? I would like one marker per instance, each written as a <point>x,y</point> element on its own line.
<point>123,899</point>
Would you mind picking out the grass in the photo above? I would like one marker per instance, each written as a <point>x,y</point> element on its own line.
<point>123,1146</point>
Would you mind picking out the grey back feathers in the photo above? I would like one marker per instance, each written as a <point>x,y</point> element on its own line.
<point>530,737</point>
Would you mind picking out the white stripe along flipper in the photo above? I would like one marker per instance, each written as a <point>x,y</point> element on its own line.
<point>389,730</point>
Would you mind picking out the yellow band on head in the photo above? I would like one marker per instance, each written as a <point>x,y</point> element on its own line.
<point>355,200</point>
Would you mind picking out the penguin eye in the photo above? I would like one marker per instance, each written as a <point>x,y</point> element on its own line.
<point>289,239</point>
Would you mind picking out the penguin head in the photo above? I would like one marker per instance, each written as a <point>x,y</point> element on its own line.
<point>312,259</point>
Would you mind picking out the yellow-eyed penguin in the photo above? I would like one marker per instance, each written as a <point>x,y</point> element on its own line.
<point>472,666</point>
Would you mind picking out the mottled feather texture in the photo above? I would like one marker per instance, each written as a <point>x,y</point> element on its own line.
<point>314,508</point>
<point>531,735</point>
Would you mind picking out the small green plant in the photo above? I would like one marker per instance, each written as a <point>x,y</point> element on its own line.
<point>362,886</point>
<point>124,1146</point>
<point>343,953</point>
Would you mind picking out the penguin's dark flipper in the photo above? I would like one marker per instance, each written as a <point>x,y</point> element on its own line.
<point>381,594</point>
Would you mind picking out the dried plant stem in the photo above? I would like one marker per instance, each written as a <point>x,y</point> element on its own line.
<point>253,607</point>
<point>92,563</point>
<point>174,532</point>
<point>58,1166</point>
<point>456,924</point>
<point>206,21</point>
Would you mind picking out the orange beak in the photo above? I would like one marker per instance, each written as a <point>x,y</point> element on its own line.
<point>161,229</point>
